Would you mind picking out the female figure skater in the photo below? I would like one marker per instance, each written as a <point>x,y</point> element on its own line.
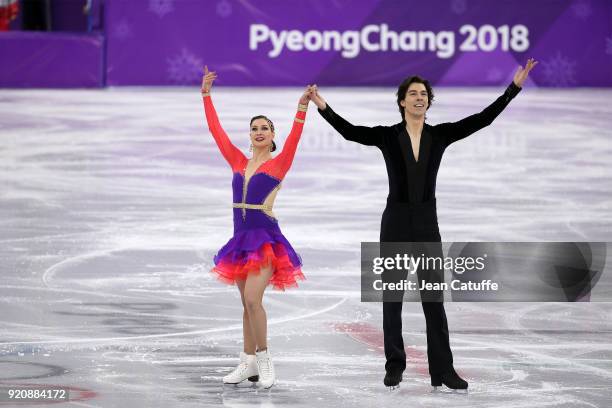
<point>413,150</point>
<point>258,254</point>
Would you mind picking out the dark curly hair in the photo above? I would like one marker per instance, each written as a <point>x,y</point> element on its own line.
<point>403,88</point>
<point>254,118</point>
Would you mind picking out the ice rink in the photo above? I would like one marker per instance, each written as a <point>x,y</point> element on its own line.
<point>114,202</point>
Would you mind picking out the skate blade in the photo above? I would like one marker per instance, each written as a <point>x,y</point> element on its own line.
<point>253,379</point>
<point>393,387</point>
<point>240,386</point>
<point>230,384</point>
<point>442,389</point>
<point>236,384</point>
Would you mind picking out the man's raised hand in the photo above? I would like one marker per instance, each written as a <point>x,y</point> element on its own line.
<point>522,73</point>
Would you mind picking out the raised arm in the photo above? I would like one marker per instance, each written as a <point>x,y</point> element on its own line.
<point>451,132</point>
<point>285,157</point>
<point>231,153</point>
<point>360,134</point>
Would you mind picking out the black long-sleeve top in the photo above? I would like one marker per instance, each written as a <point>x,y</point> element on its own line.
<point>412,181</point>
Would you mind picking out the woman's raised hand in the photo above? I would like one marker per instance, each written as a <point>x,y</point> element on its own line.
<point>522,73</point>
<point>207,79</point>
<point>305,98</point>
<point>316,98</point>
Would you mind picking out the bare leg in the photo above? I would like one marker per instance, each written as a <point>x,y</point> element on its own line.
<point>247,332</point>
<point>253,294</point>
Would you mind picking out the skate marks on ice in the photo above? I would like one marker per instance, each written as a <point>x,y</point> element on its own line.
<point>112,208</point>
<point>122,316</point>
<point>528,361</point>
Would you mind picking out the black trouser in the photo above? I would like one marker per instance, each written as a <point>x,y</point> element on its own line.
<point>403,222</point>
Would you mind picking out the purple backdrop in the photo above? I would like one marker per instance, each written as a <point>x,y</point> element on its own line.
<point>32,59</point>
<point>470,42</point>
<point>339,42</point>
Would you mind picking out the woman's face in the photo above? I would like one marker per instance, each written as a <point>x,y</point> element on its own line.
<point>416,101</point>
<point>261,133</point>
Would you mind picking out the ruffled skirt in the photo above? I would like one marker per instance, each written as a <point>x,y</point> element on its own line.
<point>251,250</point>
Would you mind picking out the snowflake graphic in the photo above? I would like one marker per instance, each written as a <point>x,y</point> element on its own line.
<point>494,75</point>
<point>161,7</point>
<point>609,46</point>
<point>185,68</point>
<point>559,71</point>
<point>224,8</point>
<point>459,6</point>
<point>122,30</point>
<point>582,10</point>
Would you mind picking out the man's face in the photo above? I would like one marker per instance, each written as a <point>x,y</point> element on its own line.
<point>416,101</point>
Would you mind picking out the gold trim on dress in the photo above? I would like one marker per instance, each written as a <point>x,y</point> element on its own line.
<point>298,120</point>
<point>245,206</point>
<point>205,94</point>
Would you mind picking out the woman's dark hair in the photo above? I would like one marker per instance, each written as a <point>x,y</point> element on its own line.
<point>254,118</point>
<point>403,88</point>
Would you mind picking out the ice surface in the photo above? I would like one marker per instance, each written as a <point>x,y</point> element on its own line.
<point>113,203</point>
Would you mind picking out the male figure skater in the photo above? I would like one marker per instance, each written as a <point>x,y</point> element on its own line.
<point>413,150</point>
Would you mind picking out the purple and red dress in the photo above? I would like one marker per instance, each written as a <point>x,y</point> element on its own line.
<point>258,241</point>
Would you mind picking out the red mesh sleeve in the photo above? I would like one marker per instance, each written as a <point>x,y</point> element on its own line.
<point>231,153</point>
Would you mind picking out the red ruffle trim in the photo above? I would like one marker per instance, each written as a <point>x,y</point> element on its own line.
<point>285,274</point>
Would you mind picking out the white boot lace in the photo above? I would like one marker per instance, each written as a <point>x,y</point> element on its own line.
<point>264,367</point>
<point>241,369</point>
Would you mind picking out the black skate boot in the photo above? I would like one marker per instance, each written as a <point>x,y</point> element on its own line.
<point>451,379</point>
<point>392,379</point>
